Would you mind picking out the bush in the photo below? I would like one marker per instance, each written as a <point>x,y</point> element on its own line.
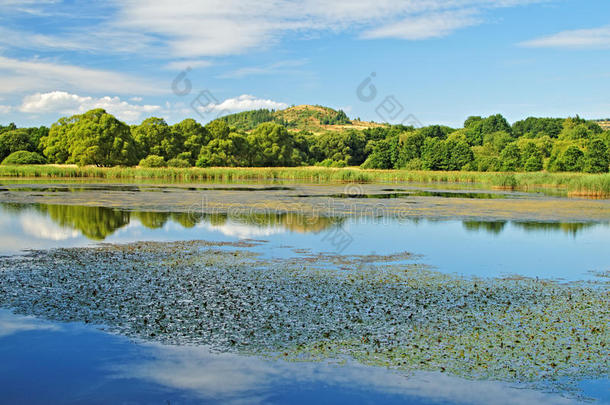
<point>23,157</point>
<point>152,161</point>
<point>533,164</point>
<point>176,162</point>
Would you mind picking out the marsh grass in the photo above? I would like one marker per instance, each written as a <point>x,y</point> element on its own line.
<point>576,184</point>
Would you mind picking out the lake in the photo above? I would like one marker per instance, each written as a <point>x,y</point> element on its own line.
<point>299,293</point>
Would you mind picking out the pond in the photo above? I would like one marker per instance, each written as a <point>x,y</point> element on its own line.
<point>296,293</point>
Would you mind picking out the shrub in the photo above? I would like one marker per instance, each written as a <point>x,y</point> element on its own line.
<point>23,157</point>
<point>176,162</point>
<point>152,161</point>
<point>533,164</point>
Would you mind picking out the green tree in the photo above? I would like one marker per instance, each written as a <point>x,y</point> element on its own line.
<point>477,129</point>
<point>93,138</point>
<point>533,163</point>
<point>347,147</point>
<point>435,154</point>
<point>194,135</point>
<point>410,148</point>
<point>15,140</point>
<point>154,137</point>
<point>271,145</point>
<point>510,158</point>
<point>596,157</point>
<point>227,149</point>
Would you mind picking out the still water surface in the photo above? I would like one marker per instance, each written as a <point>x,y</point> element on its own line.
<point>48,362</point>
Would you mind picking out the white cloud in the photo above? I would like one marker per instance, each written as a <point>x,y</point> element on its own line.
<point>598,38</point>
<point>195,28</point>
<point>5,109</point>
<point>187,64</point>
<point>427,26</point>
<point>242,103</point>
<point>21,76</point>
<point>66,103</point>
<point>220,27</point>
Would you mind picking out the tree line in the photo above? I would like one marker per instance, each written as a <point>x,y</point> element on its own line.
<point>482,144</point>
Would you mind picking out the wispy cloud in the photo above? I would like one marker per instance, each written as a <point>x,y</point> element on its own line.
<point>594,38</point>
<point>18,76</point>
<point>282,67</point>
<point>427,26</point>
<point>66,103</point>
<point>186,64</point>
<point>207,28</point>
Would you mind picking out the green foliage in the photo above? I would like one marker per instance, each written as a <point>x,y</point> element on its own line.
<point>154,137</point>
<point>152,161</point>
<point>477,128</point>
<point>383,155</point>
<point>484,144</point>
<point>510,158</point>
<point>347,146</point>
<point>533,127</point>
<point>597,158</point>
<point>23,157</point>
<point>177,162</point>
<point>15,140</point>
<point>249,120</point>
<point>533,163</point>
<point>195,136</point>
<point>226,149</point>
<point>271,145</point>
<point>570,159</point>
<point>94,138</point>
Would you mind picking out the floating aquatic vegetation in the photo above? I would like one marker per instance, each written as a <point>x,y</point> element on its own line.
<point>383,310</point>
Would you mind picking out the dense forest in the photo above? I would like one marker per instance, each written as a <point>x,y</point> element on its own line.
<point>299,137</point>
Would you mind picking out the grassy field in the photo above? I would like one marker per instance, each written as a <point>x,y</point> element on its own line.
<point>577,184</point>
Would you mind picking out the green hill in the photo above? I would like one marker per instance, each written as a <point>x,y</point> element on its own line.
<point>301,117</point>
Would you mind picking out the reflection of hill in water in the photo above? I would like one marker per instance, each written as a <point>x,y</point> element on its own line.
<point>496,227</point>
<point>97,223</point>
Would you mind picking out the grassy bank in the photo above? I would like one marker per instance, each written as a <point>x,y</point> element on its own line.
<point>592,185</point>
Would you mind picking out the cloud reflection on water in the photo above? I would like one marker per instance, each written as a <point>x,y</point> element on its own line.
<point>227,377</point>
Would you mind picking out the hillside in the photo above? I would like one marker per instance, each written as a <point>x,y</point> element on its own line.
<point>297,118</point>
<point>605,124</point>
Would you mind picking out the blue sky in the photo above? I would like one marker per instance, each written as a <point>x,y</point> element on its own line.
<point>438,61</point>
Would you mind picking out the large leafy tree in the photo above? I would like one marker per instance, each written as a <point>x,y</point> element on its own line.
<point>347,147</point>
<point>596,157</point>
<point>15,140</point>
<point>195,136</point>
<point>271,145</point>
<point>93,138</point>
<point>478,128</point>
<point>154,137</point>
<point>226,148</point>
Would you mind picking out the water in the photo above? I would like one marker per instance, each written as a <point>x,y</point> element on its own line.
<point>570,251</point>
<point>74,364</point>
<point>77,363</point>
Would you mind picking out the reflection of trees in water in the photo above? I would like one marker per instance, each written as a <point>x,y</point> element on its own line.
<point>94,222</point>
<point>570,228</point>
<point>496,227</point>
<point>98,223</point>
<point>291,221</point>
<point>152,220</point>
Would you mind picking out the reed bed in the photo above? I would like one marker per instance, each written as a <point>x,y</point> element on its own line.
<point>575,184</point>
